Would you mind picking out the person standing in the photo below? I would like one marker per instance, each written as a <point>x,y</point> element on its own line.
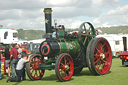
<point>7,61</point>
<point>0,66</point>
<point>20,71</point>
<point>14,58</point>
<point>19,50</point>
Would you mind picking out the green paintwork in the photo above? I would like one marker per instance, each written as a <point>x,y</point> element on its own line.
<point>63,47</point>
<point>71,47</point>
<point>61,34</point>
<point>48,67</point>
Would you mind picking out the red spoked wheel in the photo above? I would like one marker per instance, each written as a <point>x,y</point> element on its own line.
<point>99,56</point>
<point>64,67</point>
<point>32,69</point>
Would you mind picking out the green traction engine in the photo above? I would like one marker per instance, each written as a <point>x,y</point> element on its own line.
<point>68,53</point>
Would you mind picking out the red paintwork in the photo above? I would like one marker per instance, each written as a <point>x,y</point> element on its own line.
<point>47,51</point>
<point>34,70</point>
<point>102,65</point>
<point>24,49</point>
<point>124,53</point>
<point>61,67</point>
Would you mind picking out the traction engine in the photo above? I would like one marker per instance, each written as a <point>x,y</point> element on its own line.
<point>69,53</point>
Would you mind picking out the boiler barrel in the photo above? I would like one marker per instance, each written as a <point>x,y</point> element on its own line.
<point>52,48</point>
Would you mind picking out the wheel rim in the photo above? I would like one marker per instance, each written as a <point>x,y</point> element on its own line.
<point>65,67</point>
<point>34,70</point>
<point>102,56</point>
<point>86,33</point>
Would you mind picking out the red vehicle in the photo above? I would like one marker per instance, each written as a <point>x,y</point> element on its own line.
<point>30,48</point>
<point>25,49</point>
<point>124,54</point>
<point>124,57</point>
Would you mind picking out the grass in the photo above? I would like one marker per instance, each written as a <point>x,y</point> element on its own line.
<point>118,75</point>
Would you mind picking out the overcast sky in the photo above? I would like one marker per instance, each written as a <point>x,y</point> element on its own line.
<point>28,14</point>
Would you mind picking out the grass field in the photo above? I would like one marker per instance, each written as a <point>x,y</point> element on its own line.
<point>118,75</point>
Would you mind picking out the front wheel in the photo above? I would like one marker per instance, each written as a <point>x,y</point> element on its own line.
<point>64,67</point>
<point>32,69</point>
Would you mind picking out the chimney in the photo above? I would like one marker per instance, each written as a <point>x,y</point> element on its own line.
<point>48,22</point>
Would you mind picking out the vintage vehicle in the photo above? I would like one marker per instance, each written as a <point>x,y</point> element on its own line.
<point>69,53</point>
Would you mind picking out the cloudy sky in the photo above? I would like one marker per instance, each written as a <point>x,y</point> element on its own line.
<point>28,14</point>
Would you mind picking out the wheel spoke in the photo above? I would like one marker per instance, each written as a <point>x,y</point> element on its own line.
<point>97,55</point>
<point>99,46</point>
<point>85,40</point>
<point>85,28</point>
<point>98,65</point>
<point>89,30</point>
<point>62,64</point>
<point>102,46</point>
<point>97,60</point>
<point>106,54</point>
<point>102,69</point>
<point>64,73</point>
<point>98,50</point>
<point>106,63</point>
<point>35,72</point>
<point>65,61</point>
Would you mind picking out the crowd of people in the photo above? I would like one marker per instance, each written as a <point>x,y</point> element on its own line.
<point>16,60</point>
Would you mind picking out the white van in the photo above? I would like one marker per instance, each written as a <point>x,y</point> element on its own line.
<point>8,36</point>
<point>116,43</point>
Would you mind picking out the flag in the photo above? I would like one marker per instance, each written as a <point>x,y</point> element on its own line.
<point>1,26</point>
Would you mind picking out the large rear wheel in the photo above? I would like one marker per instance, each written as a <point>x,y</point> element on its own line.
<point>32,69</point>
<point>64,67</point>
<point>99,56</point>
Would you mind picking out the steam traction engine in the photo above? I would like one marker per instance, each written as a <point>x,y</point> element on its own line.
<point>69,53</point>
